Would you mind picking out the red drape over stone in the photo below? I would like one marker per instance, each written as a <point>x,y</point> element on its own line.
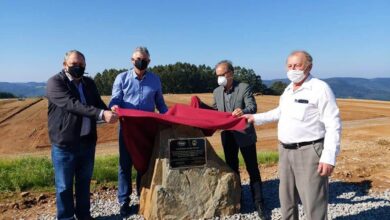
<point>140,128</point>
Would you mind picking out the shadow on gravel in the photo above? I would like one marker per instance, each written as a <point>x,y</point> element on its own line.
<point>343,194</point>
<point>356,194</point>
<point>382,213</point>
<point>270,193</point>
<point>337,191</point>
<point>352,194</point>
<point>111,217</point>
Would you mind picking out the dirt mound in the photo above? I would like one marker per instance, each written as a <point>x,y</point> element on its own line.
<point>24,130</point>
<point>362,161</point>
<point>364,148</point>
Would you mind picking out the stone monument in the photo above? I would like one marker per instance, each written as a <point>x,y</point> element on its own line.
<point>186,179</point>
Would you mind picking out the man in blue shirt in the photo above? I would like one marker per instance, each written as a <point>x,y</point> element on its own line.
<point>141,90</point>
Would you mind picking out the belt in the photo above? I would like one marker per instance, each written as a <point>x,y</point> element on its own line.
<point>301,144</point>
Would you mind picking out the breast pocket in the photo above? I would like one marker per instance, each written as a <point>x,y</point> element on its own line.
<point>298,111</point>
<point>150,92</point>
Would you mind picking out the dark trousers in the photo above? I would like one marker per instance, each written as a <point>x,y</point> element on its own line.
<point>73,162</point>
<point>231,147</point>
<point>124,173</point>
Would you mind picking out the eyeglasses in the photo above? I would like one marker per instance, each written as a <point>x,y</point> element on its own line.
<point>79,64</point>
<point>147,60</point>
<point>223,74</point>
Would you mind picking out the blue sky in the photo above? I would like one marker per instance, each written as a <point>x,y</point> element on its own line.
<point>345,37</point>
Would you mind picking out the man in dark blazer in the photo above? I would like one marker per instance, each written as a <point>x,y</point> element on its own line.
<point>235,97</point>
<point>74,107</point>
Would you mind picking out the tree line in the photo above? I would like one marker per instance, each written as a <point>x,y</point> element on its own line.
<point>182,78</point>
<point>7,95</point>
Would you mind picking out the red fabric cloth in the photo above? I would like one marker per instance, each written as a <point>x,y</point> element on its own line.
<point>197,103</point>
<point>140,128</point>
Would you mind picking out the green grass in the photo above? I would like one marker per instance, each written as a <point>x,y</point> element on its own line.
<point>263,158</point>
<point>269,157</point>
<point>106,169</point>
<point>25,173</point>
<point>36,173</point>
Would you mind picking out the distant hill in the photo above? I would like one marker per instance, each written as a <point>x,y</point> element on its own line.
<point>360,88</point>
<point>29,89</point>
<point>357,88</point>
<point>343,87</point>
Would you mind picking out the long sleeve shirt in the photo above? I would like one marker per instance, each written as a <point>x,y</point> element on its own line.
<point>307,114</point>
<point>144,94</point>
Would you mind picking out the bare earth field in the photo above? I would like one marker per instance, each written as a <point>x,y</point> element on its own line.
<point>365,147</point>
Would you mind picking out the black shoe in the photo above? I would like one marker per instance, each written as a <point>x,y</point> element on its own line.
<point>85,218</point>
<point>257,194</point>
<point>124,210</point>
<point>134,209</point>
<point>260,211</point>
<point>127,210</point>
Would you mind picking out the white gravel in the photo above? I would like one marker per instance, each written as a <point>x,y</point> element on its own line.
<point>346,201</point>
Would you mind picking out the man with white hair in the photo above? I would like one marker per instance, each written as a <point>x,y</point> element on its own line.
<point>309,131</point>
<point>137,89</point>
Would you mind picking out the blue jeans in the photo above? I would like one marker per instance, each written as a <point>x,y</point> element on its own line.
<point>73,161</point>
<point>124,173</point>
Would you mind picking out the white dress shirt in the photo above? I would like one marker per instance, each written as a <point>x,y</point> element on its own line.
<point>307,114</point>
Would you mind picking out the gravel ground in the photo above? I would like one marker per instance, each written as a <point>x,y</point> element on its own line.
<point>346,201</point>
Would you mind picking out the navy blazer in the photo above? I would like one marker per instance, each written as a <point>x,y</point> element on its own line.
<point>65,110</point>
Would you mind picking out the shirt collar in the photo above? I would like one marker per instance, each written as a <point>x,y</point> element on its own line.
<point>305,85</point>
<point>134,75</point>
<point>72,80</point>
<point>70,77</point>
<point>231,88</point>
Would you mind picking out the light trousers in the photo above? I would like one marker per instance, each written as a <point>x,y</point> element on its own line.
<point>299,179</point>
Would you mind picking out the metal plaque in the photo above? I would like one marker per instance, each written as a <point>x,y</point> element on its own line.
<point>187,152</point>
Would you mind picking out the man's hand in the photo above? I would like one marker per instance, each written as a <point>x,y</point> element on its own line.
<point>110,117</point>
<point>114,108</point>
<point>249,118</point>
<point>237,112</point>
<point>325,169</point>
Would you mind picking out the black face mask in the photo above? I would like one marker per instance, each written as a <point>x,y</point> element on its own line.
<point>141,64</point>
<point>76,71</point>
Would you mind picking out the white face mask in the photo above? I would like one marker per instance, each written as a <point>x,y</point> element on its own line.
<point>295,76</point>
<point>222,80</point>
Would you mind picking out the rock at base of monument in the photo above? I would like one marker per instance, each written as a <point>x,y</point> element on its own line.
<point>188,193</point>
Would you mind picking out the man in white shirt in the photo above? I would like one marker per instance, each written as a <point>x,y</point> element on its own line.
<point>309,131</point>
